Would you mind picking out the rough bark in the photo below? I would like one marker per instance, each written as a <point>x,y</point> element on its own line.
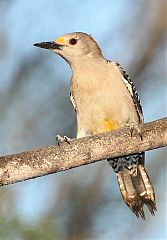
<point>54,158</point>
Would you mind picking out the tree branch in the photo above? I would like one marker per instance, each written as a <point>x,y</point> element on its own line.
<point>54,158</point>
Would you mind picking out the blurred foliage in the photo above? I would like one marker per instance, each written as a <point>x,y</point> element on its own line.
<point>15,229</point>
<point>82,203</point>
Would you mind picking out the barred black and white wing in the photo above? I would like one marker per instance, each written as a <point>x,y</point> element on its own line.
<point>73,101</point>
<point>130,86</point>
<point>134,182</point>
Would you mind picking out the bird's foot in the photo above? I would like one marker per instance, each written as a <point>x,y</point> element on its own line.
<point>61,139</point>
<point>135,129</point>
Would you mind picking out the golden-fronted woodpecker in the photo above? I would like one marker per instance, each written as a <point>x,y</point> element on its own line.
<point>105,99</point>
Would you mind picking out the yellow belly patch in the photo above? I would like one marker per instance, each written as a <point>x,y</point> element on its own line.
<point>109,125</point>
<point>106,125</point>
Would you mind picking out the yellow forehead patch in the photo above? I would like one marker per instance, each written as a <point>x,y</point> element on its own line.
<point>60,40</point>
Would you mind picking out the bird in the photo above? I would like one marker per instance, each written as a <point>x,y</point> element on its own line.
<point>105,99</point>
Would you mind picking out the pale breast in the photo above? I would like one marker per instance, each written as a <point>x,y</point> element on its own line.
<point>103,102</point>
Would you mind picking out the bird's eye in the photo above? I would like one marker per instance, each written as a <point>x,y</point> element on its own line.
<point>73,41</point>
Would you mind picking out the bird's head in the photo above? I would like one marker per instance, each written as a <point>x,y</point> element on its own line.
<point>73,46</point>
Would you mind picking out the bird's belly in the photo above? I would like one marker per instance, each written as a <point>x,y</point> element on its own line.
<point>97,117</point>
<point>101,111</point>
<point>94,122</point>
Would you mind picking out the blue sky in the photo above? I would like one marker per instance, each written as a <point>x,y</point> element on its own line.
<point>115,26</point>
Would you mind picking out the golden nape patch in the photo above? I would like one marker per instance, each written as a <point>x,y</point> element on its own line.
<point>60,40</point>
<point>109,125</point>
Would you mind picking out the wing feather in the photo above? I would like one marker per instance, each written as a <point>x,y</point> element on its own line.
<point>130,86</point>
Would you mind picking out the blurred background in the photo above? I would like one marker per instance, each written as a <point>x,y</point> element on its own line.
<point>83,203</point>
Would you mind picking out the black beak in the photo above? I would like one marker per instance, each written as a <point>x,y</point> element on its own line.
<point>48,45</point>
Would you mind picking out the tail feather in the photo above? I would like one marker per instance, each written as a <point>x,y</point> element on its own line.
<point>137,191</point>
<point>134,183</point>
<point>129,193</point>
<point>148,196</point>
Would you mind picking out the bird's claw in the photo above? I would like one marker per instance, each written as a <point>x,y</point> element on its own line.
<point>61,139</point>
<point>135,129</point>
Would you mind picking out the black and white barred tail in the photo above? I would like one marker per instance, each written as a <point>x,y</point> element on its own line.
<point>134,183</point>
